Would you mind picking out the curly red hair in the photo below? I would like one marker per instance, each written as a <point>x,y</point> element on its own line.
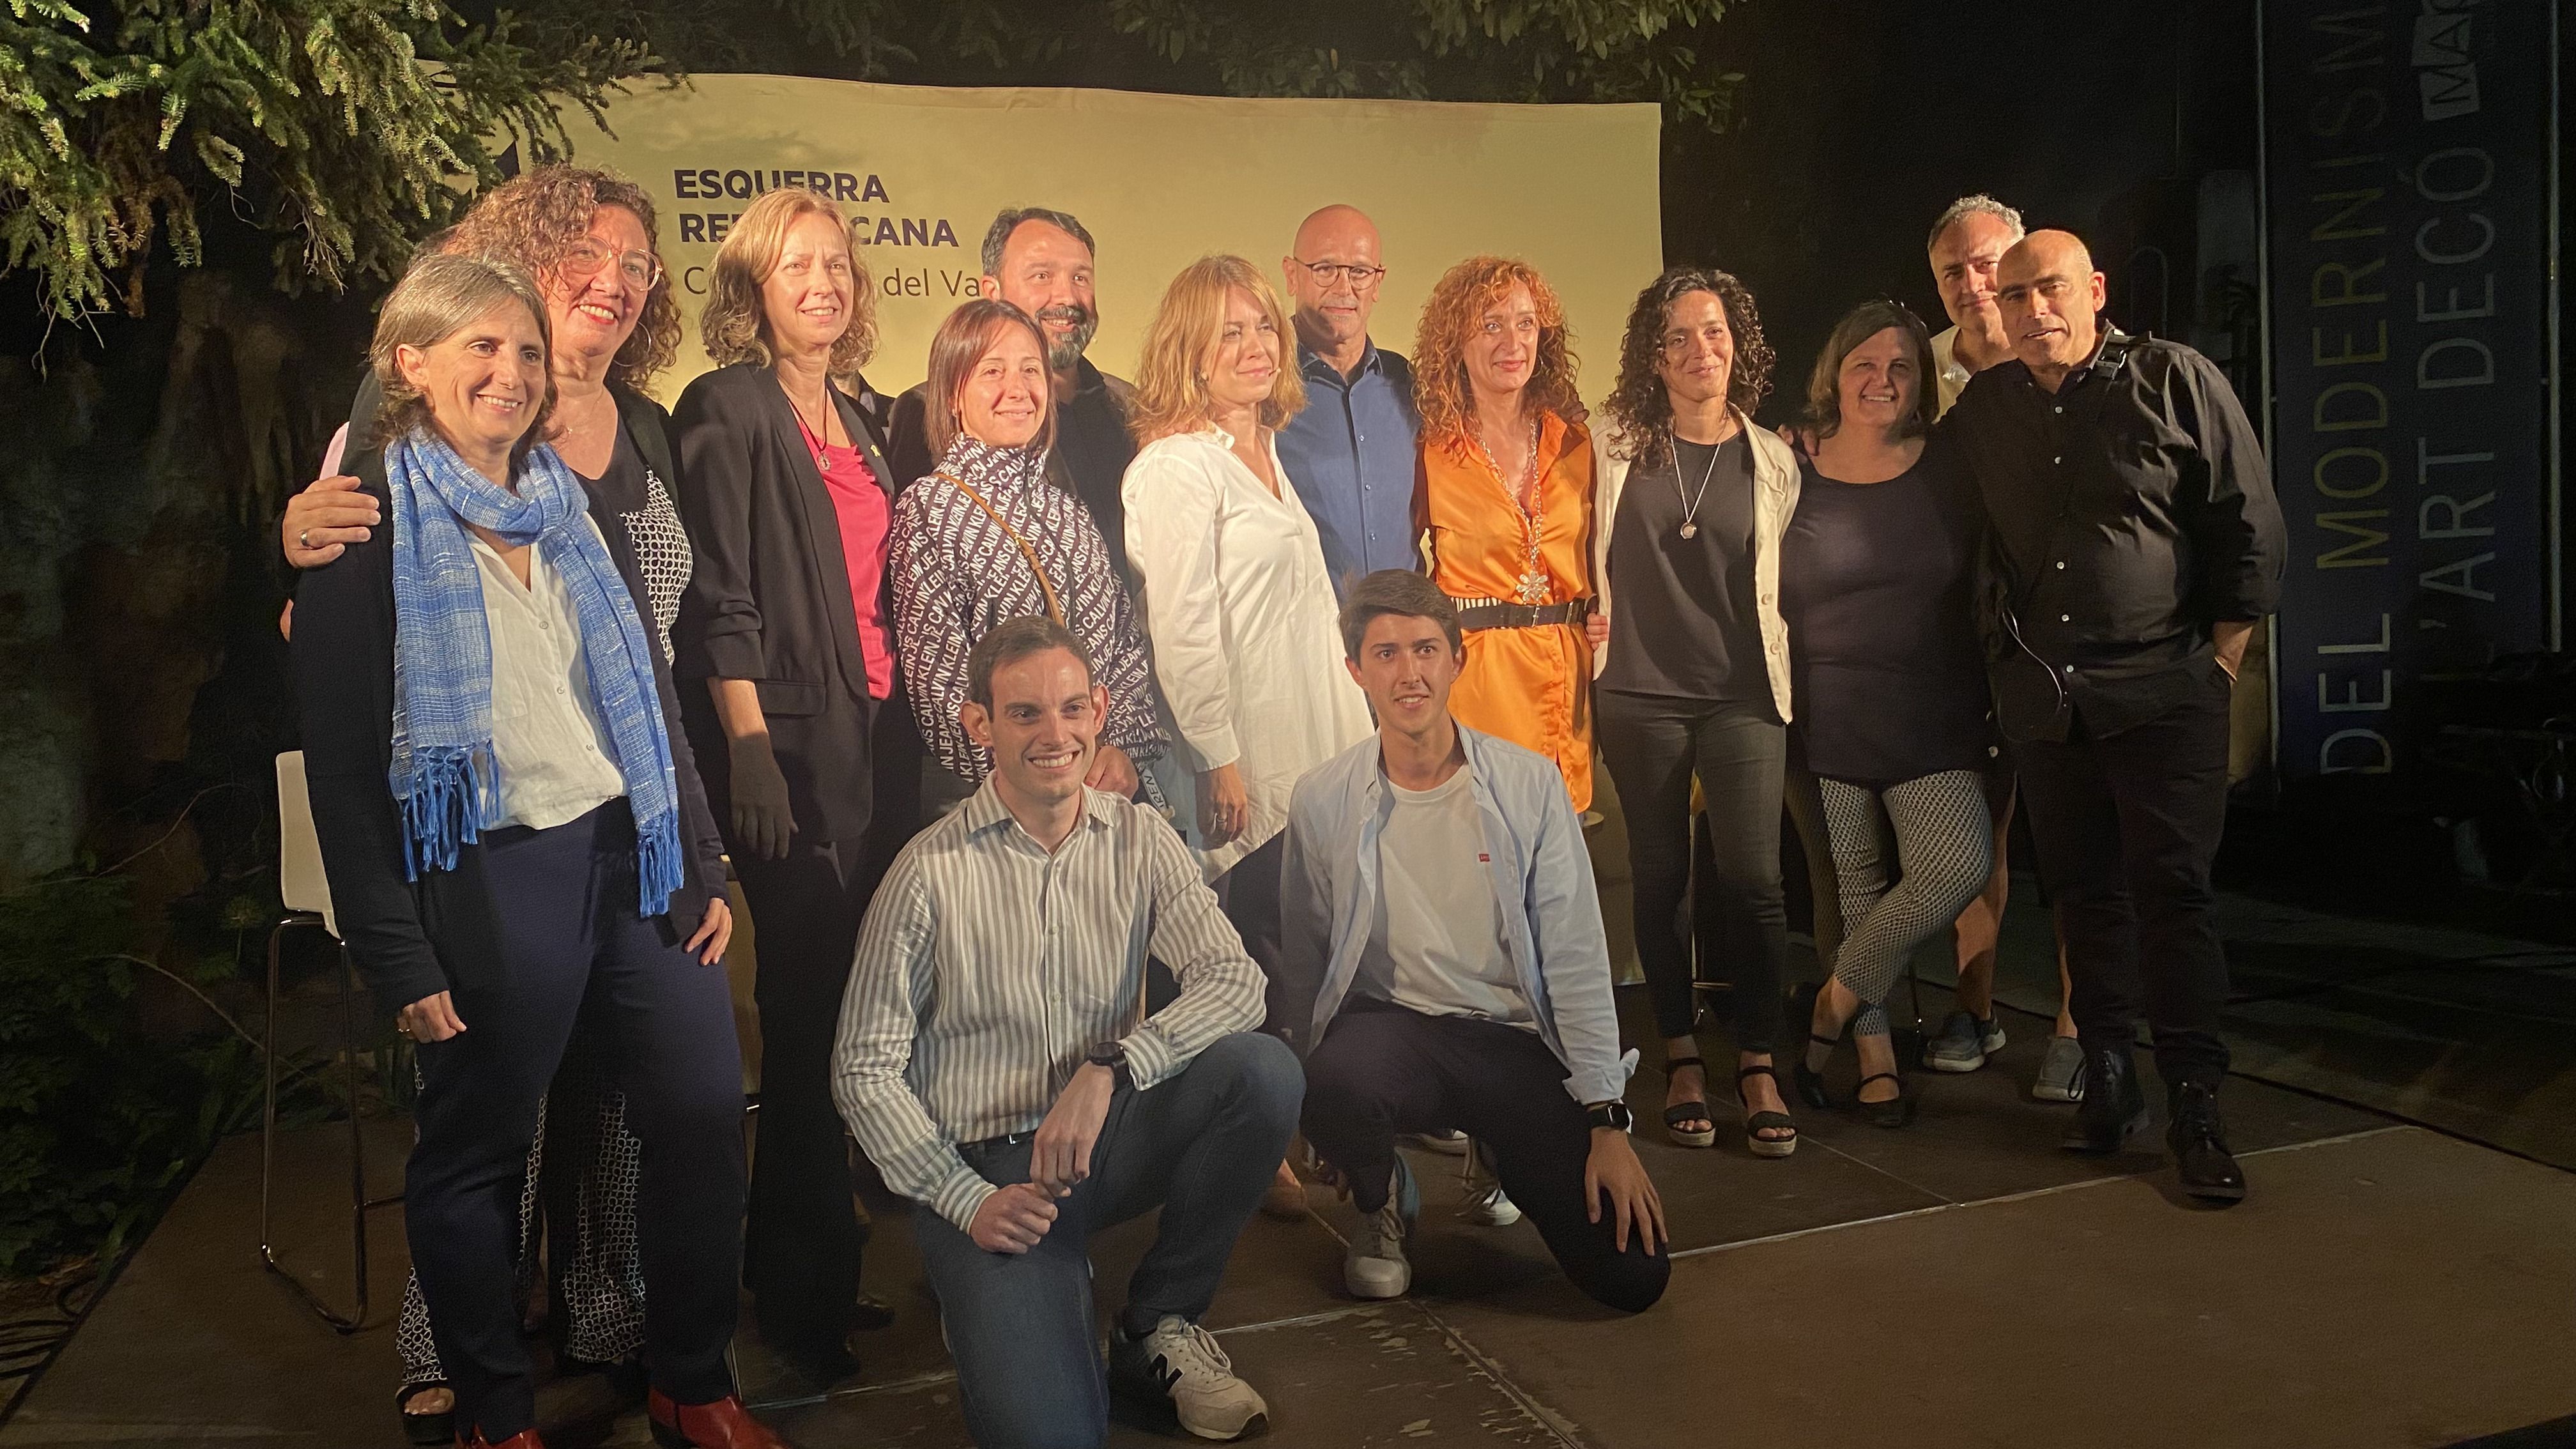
<point>1457,303</point>
<point>533,220</point>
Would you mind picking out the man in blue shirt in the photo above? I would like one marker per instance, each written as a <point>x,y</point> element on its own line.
<point>1438,909</point>
<point>1350,453</point>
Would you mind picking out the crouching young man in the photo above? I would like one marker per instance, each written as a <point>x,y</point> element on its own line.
<point>995,1060</point>
<point>1437,884</point>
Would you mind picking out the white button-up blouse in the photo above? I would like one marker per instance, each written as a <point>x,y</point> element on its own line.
<point>1245,628</point>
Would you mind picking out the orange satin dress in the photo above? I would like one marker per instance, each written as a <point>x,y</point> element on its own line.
<point>1532,686</point>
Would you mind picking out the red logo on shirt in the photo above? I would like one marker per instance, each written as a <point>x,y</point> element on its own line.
<point>1483,859</point>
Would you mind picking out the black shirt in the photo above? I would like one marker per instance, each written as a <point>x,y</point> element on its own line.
<point>1090,458</point>
<point>2130,511</point>
<point>1874,586</point>
<point>1685,625</point>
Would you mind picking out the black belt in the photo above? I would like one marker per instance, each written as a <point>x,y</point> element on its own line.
<point>1522,616</point>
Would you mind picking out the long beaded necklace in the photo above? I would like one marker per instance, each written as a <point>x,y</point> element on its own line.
<point>1533,581</point>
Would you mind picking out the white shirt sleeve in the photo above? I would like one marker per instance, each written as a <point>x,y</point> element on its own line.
<point>1172,507</point>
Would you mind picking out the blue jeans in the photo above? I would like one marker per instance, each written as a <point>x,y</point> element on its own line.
<point>1202,1146</point>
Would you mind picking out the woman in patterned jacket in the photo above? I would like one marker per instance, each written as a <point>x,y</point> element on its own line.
<point>985,536</point>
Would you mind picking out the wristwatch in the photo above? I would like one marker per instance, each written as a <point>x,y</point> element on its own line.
<point>1110,1054</point>
<point>1613,1115</point>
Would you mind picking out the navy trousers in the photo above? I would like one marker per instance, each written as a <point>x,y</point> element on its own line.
<point>563,912</point>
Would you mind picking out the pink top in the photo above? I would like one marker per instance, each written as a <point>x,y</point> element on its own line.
<point>865,519</point>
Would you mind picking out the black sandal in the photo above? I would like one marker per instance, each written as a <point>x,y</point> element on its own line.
<point>1810,1083</point>
<point>1757,1123</point>
<point>1895,1112</point>
<point>1681,1112</point>
<point>438,1428</point>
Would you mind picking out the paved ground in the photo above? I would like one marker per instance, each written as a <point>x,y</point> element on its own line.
<point>1961,1282</point>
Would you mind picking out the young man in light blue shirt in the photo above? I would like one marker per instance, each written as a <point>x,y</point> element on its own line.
<point>1439,911</point>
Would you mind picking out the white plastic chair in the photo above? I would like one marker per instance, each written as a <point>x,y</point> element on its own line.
<point>307,894</point>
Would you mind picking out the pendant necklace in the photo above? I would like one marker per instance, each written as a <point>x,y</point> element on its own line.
<point>1690,505</point>
<point>819,442</point>
<point>1532,588</point>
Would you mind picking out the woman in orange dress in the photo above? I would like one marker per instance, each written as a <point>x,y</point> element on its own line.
<point>1505,495</point>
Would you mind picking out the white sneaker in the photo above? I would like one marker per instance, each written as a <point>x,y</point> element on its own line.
<point>1452,1143</point>
<point>1487,1206</point>
<point>1375,1266</point>
<point>1180,1361</point>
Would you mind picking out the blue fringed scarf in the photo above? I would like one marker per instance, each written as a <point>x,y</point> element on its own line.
<point>445,781</point>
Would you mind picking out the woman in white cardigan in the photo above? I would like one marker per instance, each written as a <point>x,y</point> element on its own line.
<point>1232,589</point>
<point>1694,682</point>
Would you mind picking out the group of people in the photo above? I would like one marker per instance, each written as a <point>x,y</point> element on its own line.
<point>1125,779</point>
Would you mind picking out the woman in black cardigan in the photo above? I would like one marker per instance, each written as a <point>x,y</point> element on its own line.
<point>788,625</point>
<point>518,840</point>
<point>586,237</point>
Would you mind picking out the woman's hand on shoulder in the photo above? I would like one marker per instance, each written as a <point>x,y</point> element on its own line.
<point>322,521</point>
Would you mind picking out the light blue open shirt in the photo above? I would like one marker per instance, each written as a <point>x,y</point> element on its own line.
<point>1542,879</point>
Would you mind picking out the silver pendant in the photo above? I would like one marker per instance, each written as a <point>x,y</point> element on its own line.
<point>1690,530</point>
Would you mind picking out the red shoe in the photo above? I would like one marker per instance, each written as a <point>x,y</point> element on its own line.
<point>524,1439</point>
<point>724,1424</point>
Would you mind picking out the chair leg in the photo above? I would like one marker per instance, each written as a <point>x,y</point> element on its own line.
<point>358,1204</point>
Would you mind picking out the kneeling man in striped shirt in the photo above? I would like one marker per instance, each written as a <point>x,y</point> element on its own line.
<point>996,1061</point>
<point>1437,888</point>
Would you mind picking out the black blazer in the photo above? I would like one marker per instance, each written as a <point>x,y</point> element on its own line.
<point>769,600</point>
<point>404,935</point>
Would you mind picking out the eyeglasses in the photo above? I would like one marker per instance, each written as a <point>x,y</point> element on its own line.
<point>586,257</point>
<point>1328,273</point>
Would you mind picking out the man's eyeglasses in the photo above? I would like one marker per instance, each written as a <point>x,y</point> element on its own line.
<point>1328,273</point>
<point>586,257</point>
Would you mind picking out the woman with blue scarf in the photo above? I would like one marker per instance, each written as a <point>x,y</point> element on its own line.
<point>499,795</point>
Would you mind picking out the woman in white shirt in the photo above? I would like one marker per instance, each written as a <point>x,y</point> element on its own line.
<point>1231,584</point>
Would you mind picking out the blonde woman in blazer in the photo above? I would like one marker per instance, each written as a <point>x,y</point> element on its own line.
<point>1690,504</point>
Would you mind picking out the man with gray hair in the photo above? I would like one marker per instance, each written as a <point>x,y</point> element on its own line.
<point>1039,260</point>
<point>1966,245</point>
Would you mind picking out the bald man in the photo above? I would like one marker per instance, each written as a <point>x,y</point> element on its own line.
<point>2137,543</point>
<point>1350,453</point>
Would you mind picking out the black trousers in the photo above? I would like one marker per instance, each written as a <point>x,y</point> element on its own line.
<point>563,907</point>
<point>1653,745</point>
<point>2126,826</point>
<point>1383,1069</point>
<point>803,1240</point>
<point>1249,891</point>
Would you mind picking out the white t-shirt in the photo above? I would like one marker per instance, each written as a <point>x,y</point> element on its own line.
<point>1950,374</point>
<point>1437,944</point>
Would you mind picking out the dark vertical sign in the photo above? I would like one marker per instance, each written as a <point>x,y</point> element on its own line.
<point>2407,190</point>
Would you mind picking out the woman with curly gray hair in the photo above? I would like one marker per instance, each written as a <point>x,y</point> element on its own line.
<point>1694,681</point>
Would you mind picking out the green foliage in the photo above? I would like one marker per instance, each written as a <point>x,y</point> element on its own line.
<point>342,127</point>
<point>98,1123</point>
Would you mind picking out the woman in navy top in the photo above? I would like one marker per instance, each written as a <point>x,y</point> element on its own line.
<point>1874,579</point>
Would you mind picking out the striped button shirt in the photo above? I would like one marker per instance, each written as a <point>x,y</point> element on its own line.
<point>988,967</point>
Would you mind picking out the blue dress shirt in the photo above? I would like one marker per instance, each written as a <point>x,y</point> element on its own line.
<point>1350,455</point>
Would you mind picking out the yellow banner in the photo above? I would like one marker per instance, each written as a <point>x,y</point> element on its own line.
<point>1158,180</point>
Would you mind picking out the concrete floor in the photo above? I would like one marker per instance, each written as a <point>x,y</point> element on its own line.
<point>1958,1283</point>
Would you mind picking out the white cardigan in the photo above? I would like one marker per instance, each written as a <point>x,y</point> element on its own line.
<point>1233,595</point>
<point>1775,498</point>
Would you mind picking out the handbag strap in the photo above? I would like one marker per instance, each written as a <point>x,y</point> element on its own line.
<point>1055,607</point>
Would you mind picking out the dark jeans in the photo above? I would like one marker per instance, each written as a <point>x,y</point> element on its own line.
<point>2126,827</point>
<point>1383,1069</point>
<point>1250,892</point>
<point>563,902</point>
<point>804,1236</point>
<point>1020,1326</point>
<point>1653,745</point>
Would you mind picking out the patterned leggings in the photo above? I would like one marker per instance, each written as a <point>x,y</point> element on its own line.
<point>587,1211</point>
<point>1945,850</point>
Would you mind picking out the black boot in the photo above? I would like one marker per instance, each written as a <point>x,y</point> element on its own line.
<point>2114,1104</point>
<point>2199,1142</point>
